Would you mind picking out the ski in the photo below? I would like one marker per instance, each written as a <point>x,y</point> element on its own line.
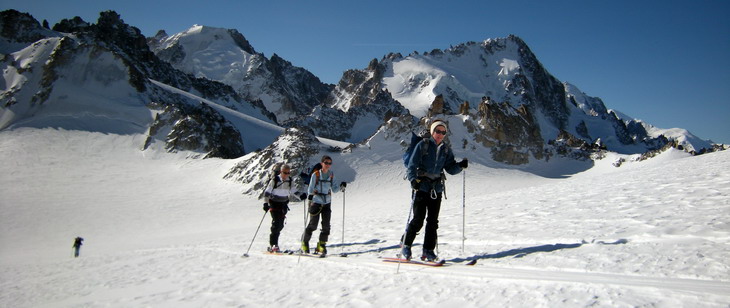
<point>414,262</point>
<point>295,253</point>
<point>280,253</point>
<point>427,263</point>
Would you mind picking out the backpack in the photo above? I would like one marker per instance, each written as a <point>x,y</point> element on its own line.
<point>317,174</point>
<point>307,176</point>
<point>274,176</point>
<point>415,138</point>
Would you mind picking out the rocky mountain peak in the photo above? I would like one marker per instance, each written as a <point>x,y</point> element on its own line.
<point>18,30</point>
<point>295,147</point>
<point>241,41</point>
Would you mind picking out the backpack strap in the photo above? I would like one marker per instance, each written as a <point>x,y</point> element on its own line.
<point>319,174</point>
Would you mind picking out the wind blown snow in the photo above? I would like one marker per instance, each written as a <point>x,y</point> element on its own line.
<point>508,67</point>
<point>163,230</point>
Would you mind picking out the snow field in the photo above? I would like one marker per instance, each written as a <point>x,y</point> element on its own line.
<point>165,230</point>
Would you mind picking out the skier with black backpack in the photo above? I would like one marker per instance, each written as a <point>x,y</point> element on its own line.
<point>277,193</point>
<point>426,163</point>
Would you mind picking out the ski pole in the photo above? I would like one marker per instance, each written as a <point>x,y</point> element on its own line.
<point>403,238</point>
<point>301,240</point>
<point>342,247</point>
<point>254,235</point>
<point>463,211</point>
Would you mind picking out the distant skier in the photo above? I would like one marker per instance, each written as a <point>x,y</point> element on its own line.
<point>321,187</point>
<point>277,193</point>
<point>425,172</point>
<point>78,241</point>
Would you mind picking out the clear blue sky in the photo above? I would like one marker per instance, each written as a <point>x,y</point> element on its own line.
<point>666,62</point>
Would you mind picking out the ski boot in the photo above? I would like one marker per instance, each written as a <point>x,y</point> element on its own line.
<point>305,247</point>
<point>273,249</point>
<point>406,252</point>
<point>321,248</point>
<point>429,255</point>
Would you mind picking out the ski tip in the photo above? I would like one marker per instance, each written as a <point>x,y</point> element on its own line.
<point>472,262</point>
<point>322,256</point>
<point>344,255</point>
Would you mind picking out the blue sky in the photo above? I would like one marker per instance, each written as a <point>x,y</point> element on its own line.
<point>664,62</point>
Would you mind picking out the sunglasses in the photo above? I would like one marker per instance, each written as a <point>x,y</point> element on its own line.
<point>327,163</point>
<point>440,132</point>
<point>286,172</point>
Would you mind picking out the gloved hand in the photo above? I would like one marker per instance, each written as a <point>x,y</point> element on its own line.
<point>416,184</point>
<point>464,163</point>
<point>302,196</point>
<point>266,207</point>
<point>343,185</point>
<point>310,197</point>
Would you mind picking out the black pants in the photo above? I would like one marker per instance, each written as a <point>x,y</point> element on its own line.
<point>278,216</point>
<point>316,210</point>
<point>423,205</point>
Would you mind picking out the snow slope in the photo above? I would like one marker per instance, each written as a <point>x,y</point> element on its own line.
<point>162,230</point>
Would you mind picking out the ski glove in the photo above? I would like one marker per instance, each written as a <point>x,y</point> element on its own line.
<point>310,197</point>
<point>415,184</point>
<point>266,207</point>
<point>464,163</point>
<point>302,196</point>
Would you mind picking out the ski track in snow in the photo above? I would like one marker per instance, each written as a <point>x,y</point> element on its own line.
<point>164,230</point>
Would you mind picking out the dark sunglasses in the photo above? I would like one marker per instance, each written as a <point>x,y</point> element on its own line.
<point>286,172</point>
<point>441,132</point>
<point>327,163</point>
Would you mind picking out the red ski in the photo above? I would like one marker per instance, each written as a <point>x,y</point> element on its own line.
<point>414,262</point>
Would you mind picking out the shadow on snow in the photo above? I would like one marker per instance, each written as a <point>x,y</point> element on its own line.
<point>522,252</point>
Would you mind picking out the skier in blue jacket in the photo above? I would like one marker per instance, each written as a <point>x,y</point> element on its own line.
<point>321,187</point>
<point>425,172</point>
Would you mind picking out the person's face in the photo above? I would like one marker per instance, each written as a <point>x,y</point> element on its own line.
<point>326,165</point>
<point>285,174</point>
<point>439,133</point>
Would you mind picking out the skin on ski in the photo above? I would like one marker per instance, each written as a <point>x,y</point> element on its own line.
<point>414,262</point>
<point>384,259</point>
<point>438,263</point>
<point>295,253</point>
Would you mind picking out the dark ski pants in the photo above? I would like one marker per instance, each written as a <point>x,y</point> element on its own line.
<point>278,216</point>
<point>316,210</point>
<point>77,250</point>
<point>423,205</point>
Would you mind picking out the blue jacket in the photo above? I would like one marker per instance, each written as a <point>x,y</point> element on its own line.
<point>430,164</point>
<point>324,187</point>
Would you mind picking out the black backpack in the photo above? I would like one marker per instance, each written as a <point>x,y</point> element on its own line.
<point>415,139</point>
<point>274,176</point>
<point>306,177</point>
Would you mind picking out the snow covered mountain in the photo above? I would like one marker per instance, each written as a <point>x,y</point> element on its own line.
<point>510,107</point>
<point>226,56</point>
<point>296,96</point>
<point>506,75</point>
<point>103,77</point>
